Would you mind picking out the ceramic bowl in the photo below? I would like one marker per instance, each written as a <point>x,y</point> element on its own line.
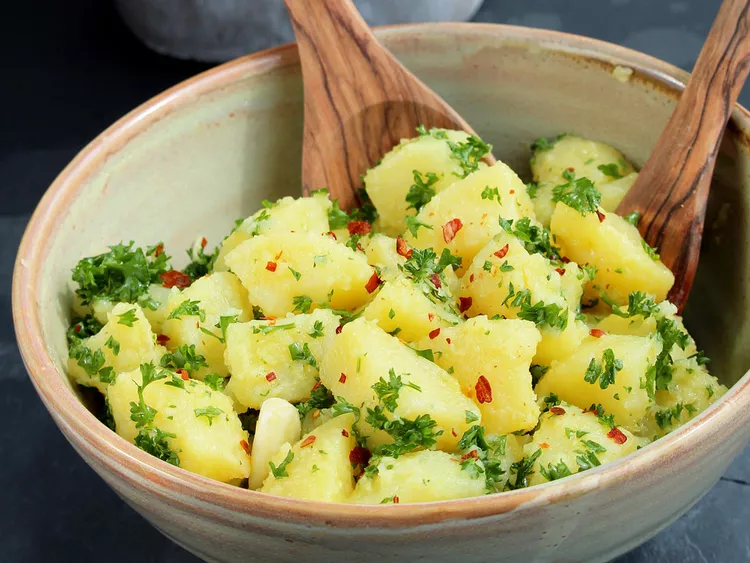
<point>209,150</point>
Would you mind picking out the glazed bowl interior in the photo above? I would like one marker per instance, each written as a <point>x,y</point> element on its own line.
<point>205,153</point>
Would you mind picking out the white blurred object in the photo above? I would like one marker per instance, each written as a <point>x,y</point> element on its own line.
<point>219,30</point>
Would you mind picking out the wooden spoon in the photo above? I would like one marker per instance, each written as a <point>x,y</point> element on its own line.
<point>359,100</point>
<point>672,188</point>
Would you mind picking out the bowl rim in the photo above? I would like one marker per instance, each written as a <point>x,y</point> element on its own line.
<point>171,483</point>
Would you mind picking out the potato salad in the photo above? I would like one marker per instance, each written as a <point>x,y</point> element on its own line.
<point>462,333</point>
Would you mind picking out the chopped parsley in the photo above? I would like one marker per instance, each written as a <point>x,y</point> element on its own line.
<point>184,357</point>
<point>280,471</point>
<point>421,191</point>
<point>536,239</point>
<point>209,412</point>
<point>414,224</point>
<point>215,381</point>
<point>523,469</point>
<point>469,154</point>
<point>188,308</point>
<point>113,345</point>
<point>320,398</point>
<point>659,375</point>
<point>154,441</point>
<point>605,371</point>
<point>612,170</point>
<point>317,330</point>
<point>201,263</point>
<point>552,315</point>
<point>83,328</point>
<point>491,193</point>
<point>388,391</point>
<point>633,218</point>
<point>531,189</point>
<point>123,274</point>
<point>301,353</point>
<point>555,471</point>
<point>295,273</point>
<point>579,194</point>
<point>302,304</point>
<point>639,303</point>
<point>128,318</point>
<point>650,250</point>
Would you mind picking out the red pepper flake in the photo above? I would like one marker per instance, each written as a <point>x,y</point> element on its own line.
<point>471,278</point>
<point>245,446</point>
<point>557,410</point>
<point>402,249</point>
<point>77,328</point>
<point>448,340</point>
<point>502,252</point>
<point>175,278</point>
<point>358,228</point>
<point>359,456</point>
<point>433,334</point>
<point>309,441</point>
<point>483,389</point>
<point>339,329</point>
<point>271,266</point>
<point>342,378</point>
<point>597,332</point>
<point>565,260</point>
<point>159,250</point>
<point>270,376</point>
<point>204,242</point>
<point>183,374</point>
<point>561,271</point>
<point>571,169</point>
<point>344,433</point>
<point>544,445</point>
<point>332,234</point>
<point>435,279</point>
<point>471,455</point>
<point>373,283</point>
<point>464,303</point>
<point>453,431</point>
<point>617,435</point>
<point>162,339</point>
<point>512,192</point>
<point>316,386</point>
<point>430,317</point>
<point>395,499</point>
<point>450,229</point>
<point>601,216</point>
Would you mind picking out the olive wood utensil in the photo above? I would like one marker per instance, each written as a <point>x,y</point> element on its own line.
<point>672,189</point>
<point>359,100</point>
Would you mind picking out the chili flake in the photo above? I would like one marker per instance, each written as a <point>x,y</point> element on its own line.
<point>245,446</point>
<point>435,279</point>
<point>270,376</point>
<point>434,333</point>
<point>162,339</point>
<point>271,266</point>
<point>315,387</point>
<point>359,456</point>
<point>448,340</point>
<point>464,303</point>
<point>450,229</point>
<point>483,390</point>
<point>561,271</point>
<point>617,435</point>
<point>557,410</point>
<point>175,278</point>
<point>597,332</point>
<point>395,500</point>
<point>471,455</point>
<point>344,433</point>
<point>402,248</point>
<point>502,252</point>
<point>204,242</point>
<point>601,216</point>
<point>183,374</point>
<point>358,228</point>
<point>331,233</point>
<point>339,329</point>
<point>342,378</point>
<point>373,283</point>
<point>158,250</point>
<point>309,441</point>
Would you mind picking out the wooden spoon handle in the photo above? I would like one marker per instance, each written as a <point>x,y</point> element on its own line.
<point>672,189</point>
<point>359,100</point>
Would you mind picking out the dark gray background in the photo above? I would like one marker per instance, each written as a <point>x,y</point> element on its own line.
<point>70,68</point>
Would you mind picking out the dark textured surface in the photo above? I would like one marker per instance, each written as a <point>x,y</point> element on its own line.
<point>70,69</point>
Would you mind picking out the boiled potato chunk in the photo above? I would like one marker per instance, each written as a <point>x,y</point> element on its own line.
<point>584,158</point>
<point>389,181</point>
<point>500,351</point>
<point>208,436</point>
<point>617,250</point>
<point>218,295</point>
<point>260,357</point>
<point>98,308</point>
<point>319,467</point>
<point>571,441</point>
<point>473,202</point>
<point>276,269</point>
<point>486,286</point>
<point>411,309</point>
<point>624,398</point>
<point>126,332</point>
<point>278,424</point>
<point>691,391</point>
<point>305,214</point>
<point>363,353</point>
<point>423,476</point>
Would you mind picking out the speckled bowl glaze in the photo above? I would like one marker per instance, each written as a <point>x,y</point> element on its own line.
<point>209,150</point>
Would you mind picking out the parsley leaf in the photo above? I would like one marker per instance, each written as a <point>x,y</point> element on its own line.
<point>83,328</point>
<point>184,357</point>
<point>659,375</point>
<point>523,469</point>
<point>320,398</point>
<point>612,170</point>
<point>113,345</point>
<point>154,441</point>
<point>605,371</point>
<point>301,352</point>
<point>536,239</point>
<point>469,154</point>
<point>188,308</point>
<point>555,471</point>
<point>414,224</point>
<point>280,471</point>
<point>421,191</point>
<point>127,318</point>
<point>650,250</point>
<point>122,274</point>
<point>302,304</point>
<point>201,263</point>
<point>633,218</point>
<point>579,194</point>
<point>490,193</point>
<point>317,330</point>
<point>209,412</point>
<point>531,189</point>
<point>215,381</point>
<point>388,391</point>
<point>639,303</point>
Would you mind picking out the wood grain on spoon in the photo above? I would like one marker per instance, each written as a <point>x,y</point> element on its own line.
<point>672,188</point>
<point>359,100</point>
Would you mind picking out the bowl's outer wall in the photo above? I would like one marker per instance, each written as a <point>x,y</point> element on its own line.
<point>206,154</point>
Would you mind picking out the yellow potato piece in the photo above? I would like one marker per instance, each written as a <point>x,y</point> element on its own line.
<point>616,248</point>
<point>218,295</point>
<point>381,252</point>
<point>479,215</point>
<point>319,468</point>
<point>207,445</point>
<point>500,351</point>
<point>304,214</point>
<point>136,346</point>
<point>423,476</point>
<point>363,353</point>
<point>303,264</point>
<point>260,359</point>
<point>388,183</point>
<point>567,439</point>
<point>624,398</point>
